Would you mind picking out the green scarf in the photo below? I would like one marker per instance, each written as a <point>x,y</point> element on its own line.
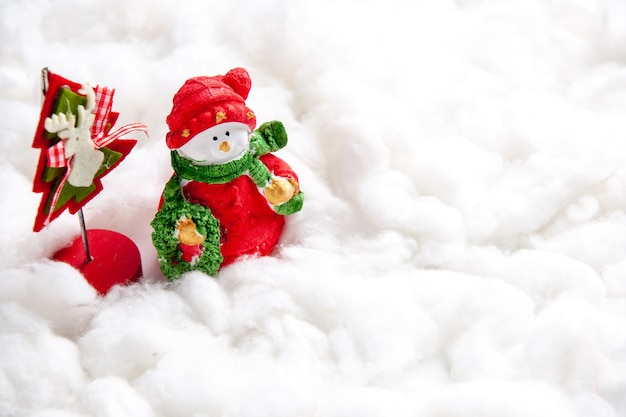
<point>222,173</point>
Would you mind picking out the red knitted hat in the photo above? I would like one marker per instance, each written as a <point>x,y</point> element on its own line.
<point>203,102</point>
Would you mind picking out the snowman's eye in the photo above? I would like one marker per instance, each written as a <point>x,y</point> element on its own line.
<point>227,133</point>
<point>214,137</point>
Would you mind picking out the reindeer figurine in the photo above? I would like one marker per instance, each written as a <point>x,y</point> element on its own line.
<point>84,158</point>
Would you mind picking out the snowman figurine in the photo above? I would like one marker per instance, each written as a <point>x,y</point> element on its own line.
<point>229,194</point>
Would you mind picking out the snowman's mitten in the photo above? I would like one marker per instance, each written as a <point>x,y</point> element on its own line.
<point>187,232</point>
<point>280,190</point>
<point>269,137</point>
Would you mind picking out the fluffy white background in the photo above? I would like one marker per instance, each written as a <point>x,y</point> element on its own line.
<point>461,252</point>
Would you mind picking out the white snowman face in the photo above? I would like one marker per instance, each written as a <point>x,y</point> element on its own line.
<point>217,145</point>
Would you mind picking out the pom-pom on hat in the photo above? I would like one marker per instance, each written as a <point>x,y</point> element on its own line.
<point>203,102</point>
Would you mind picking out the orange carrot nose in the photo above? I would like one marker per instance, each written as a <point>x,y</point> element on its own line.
<point>224,146</point>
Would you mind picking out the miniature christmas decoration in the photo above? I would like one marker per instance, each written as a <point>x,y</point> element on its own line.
<point>229,194</point>
<point>78,148</point>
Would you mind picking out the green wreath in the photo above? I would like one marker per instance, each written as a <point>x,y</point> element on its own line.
<point>164,234</point>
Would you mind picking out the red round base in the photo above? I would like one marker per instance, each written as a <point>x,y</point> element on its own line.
<point>115,259</point>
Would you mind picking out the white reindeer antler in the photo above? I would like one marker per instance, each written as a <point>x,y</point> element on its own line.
<point>59,123</point>
<point>88,92</point>
<point>65,125</point>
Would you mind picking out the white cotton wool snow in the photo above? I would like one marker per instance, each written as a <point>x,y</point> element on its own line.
<point>55,292</point>
<point>490,398</point>
<point>575,344</point>
<point>113,397</point>
<point>39,370</point>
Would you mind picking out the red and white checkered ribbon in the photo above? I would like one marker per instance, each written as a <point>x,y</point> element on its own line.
<point>56,155</point>
<point>104,102</point>
<point>99,136</point>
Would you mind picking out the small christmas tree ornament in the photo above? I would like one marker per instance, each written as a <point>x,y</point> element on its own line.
<point>78,148</point>
<point>229,194</point>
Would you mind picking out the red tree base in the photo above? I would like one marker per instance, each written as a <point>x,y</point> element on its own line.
<point>115,259</point>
